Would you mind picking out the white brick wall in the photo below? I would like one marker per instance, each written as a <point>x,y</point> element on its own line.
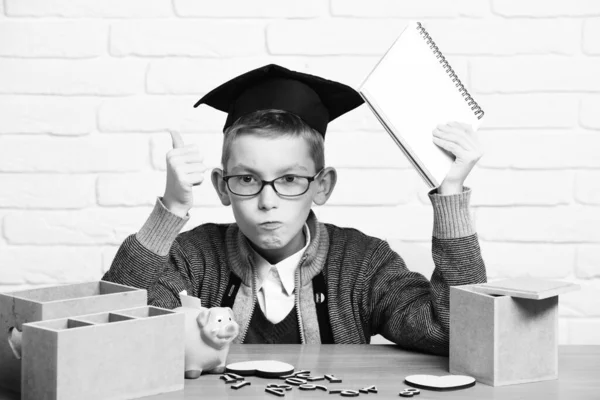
<point>37,39</point>
<point>48,114</point>
<point>93,77</point>
<point>591,30</point>
<point>551,8</point>
<point>403,9</point>
<point>89,90</point>
<point>89,8</point>
<point>250,9</point>
<point>589,116</point>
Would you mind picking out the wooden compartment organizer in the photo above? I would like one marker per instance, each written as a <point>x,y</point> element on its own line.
<point>25,306</point>
<point>122,354</point>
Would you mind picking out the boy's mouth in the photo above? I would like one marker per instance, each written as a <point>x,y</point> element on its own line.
<point>270,225</point>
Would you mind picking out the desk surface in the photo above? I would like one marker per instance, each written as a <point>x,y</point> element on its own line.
<point>385,366</point>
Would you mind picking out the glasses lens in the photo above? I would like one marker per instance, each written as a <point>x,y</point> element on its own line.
<point>291,185</point>
<point>244,185</point>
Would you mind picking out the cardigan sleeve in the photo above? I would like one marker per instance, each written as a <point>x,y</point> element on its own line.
<point>153,259</point>
<point>404,306</point>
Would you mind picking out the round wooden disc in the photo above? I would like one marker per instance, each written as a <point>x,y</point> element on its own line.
<point>447,382</point>
<point>261,368</point>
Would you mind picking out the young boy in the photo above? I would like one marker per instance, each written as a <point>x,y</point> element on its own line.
<point>288,277</point>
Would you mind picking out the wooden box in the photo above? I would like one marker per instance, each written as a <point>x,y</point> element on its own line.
<point>18,308</point>
<point>118,355</point>
<point>506,332</point>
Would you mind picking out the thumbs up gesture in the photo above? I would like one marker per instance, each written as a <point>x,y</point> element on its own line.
<point>184,171</point>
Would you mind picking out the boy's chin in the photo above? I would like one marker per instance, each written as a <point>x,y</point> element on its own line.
<point>269,243</point>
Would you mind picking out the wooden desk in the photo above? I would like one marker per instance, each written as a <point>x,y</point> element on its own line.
<point>385,366</point>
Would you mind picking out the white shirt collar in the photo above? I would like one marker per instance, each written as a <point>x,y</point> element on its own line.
<point>285,268</point>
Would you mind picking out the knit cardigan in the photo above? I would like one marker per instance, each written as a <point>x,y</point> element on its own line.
<point>370,290</point>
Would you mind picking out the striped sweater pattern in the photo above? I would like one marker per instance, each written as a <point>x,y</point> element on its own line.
<point>370,290</point>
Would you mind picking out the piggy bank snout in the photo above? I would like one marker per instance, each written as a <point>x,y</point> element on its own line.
<point>230,328</point>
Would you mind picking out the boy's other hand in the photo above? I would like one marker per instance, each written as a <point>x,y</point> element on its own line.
<point>460,140</point>
<point>185,169</point>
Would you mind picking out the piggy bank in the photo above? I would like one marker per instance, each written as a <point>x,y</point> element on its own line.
<point>208,334</point>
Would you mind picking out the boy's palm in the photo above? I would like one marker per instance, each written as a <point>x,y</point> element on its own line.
<point>461,140</point>
<point>184,171</point>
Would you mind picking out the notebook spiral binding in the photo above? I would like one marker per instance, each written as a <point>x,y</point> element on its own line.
<point>461,88</point>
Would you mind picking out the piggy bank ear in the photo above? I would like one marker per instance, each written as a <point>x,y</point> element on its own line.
<point>203,316</point>
<point>230,312</point>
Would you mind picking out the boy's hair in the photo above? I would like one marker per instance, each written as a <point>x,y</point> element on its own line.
<point>275,123</point>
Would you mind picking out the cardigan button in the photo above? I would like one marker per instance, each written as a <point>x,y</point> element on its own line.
<point>319,298</point>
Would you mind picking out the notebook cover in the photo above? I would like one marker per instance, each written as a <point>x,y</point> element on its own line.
<point>527,288</point>
<point>411,91</point>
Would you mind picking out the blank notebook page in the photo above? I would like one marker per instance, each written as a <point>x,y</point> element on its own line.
<point>414,93</point>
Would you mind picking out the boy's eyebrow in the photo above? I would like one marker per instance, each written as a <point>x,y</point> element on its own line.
<point>280,171</point>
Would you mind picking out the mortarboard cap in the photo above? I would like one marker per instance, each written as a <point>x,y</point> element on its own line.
<point>314,99</point>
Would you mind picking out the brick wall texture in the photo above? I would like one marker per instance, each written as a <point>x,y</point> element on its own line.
<point>90,89</point>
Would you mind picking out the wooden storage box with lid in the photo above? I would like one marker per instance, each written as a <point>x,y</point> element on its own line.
<point>506,332</point>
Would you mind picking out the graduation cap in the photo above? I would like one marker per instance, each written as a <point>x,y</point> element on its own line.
<point>316,100</point>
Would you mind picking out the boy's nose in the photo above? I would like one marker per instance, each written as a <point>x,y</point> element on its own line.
<point>268,198</point>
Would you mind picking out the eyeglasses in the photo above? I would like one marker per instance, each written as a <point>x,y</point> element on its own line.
<point>286,185</point>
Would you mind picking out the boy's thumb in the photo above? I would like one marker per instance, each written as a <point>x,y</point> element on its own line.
<point>177,140</point>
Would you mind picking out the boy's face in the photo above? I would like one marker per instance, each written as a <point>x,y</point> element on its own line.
<point>272,223</point>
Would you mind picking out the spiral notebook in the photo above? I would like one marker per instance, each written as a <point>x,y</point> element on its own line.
<point>411,90</point>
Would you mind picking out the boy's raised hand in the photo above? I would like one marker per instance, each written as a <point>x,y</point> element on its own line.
<point>185,169</point>
<point>461,140</point>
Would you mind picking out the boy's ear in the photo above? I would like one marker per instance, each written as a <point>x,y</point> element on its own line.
<point>220,186</point>
<point>325,184</point>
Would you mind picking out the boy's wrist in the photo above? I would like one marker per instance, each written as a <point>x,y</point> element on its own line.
<point>160,229</point>
<point>450,188</point>
<point>174,208</point>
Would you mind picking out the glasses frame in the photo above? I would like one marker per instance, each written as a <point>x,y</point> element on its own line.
<point>272,184</point>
